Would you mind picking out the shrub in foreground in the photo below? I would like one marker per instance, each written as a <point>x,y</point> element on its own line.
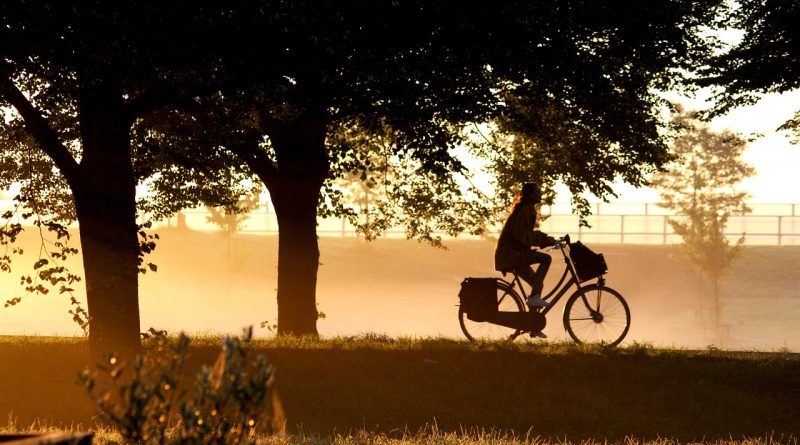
<point>148,402</point>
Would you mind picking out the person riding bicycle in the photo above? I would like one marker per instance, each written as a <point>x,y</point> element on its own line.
<point>514,253</point>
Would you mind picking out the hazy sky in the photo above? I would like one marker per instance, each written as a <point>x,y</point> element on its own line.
<point>777,162</point>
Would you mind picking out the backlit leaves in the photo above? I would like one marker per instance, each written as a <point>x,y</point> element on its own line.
<point>701,187</point>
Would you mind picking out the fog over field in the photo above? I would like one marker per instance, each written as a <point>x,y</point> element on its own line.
<point>207,283</point>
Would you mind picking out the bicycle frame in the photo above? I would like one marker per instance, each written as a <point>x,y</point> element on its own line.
<point>558,291</point>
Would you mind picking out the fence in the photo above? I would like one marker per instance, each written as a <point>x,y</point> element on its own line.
<point>627,223</point>
<point>648,223</point>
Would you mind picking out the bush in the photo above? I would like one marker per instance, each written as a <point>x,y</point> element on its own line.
<point>227,403</point>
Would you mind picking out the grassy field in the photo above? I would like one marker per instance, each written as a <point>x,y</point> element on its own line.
<point>376,389</point>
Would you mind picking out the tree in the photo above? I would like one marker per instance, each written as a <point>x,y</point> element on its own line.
<point>766,60</point>
<point>79,79</point>
<point>271,81</point>
<point>701,187</point>
<point>418,73</point>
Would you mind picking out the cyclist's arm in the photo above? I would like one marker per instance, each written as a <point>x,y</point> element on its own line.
<point>524,233</point>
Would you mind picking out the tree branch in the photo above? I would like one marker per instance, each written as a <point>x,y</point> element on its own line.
<point>256,159</point>
<point>153,100</point>
<point>40,129</point>
<point>156,98</point>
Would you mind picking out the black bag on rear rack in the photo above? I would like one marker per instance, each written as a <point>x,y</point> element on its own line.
<point>479,298</point>
<point>587,264</point>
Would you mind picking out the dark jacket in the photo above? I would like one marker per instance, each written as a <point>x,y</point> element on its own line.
<point>517,238</point>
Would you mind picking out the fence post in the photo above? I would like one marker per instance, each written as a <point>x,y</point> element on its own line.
<point>780,227</point>
<point>622,229</point>
<point>664,229</point>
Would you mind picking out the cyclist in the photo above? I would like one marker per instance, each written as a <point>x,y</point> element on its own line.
<point>514,253</point>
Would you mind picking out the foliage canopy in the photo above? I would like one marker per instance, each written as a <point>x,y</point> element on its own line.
<point>305,93</point>
<point>766,60</point>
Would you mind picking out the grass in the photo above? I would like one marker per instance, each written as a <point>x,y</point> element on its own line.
<point>431,435</point>
<point>376,389</point>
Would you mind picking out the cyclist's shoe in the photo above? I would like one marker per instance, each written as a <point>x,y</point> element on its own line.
<point>537,301</point>
<point>539,334</point>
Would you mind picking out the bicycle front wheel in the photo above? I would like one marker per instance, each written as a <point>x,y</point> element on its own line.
<point>597,314</point>
<point>507,300</point>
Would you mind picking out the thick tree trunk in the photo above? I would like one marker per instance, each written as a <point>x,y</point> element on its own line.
<point>105,200</point>
<point>302,165</point>
<point>298,258</point>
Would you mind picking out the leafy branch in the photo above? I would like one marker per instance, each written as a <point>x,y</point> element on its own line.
<point>49,270</point>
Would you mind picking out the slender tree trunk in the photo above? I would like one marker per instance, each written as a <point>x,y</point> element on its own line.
<point>302,165</point>
<point>105,200</point>
<point>717,310</point>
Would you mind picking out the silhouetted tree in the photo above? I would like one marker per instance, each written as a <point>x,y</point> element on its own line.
<point>701,187</point>
<point>575,80</point>
<point>79,78</point>
<point>766,60</point>
<point>272,81</point>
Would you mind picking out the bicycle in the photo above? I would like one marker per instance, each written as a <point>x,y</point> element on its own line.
<point>594,313</point>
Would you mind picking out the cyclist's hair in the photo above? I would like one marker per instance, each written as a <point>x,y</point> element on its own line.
<point>527,189</point>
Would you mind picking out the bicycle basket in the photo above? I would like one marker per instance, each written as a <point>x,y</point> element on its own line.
<point>587,264</point>
<point>479,298</point>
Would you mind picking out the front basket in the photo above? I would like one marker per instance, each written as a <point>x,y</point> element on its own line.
<point>588,265</point>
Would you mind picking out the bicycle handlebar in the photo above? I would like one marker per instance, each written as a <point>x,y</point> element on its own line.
<point>561,242</point>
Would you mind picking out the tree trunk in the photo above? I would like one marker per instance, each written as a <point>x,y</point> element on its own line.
<point>105,200</point>
<point>717,311</point>
<point>298,259</point>
<point>302,165</point>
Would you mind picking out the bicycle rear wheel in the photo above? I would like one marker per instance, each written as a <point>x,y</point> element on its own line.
<point>597,314</point>
<point>507,300</point>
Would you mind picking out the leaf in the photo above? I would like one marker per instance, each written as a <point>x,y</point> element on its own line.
<point>152,267</point>
<point>40,263</point>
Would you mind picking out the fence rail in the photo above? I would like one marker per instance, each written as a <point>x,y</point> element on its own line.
<point>655,229</point>
<point>626,223</point>
<point>631,223</point>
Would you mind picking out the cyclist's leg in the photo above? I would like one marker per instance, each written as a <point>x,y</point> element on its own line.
<point>535,279</point>
<point>543,260</point>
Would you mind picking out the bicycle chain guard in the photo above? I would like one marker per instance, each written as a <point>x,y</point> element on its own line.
<point>524,321</point>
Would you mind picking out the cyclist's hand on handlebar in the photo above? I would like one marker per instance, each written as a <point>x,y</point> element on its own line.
<point>559,242</point>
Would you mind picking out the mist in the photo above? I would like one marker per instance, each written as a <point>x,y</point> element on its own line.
<point>209,283</point>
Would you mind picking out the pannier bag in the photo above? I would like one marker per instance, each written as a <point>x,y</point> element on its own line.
<point>479,298</point>
<point>587,264</point>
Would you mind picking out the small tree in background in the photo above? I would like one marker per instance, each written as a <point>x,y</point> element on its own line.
<point>231,220</point>
<point>700,186</point>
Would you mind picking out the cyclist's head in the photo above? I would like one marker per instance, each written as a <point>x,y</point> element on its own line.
<point>531,193</point>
